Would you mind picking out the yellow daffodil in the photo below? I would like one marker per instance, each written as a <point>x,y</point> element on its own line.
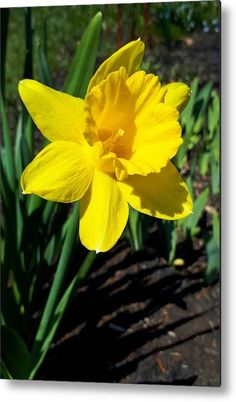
<point>110,150</point>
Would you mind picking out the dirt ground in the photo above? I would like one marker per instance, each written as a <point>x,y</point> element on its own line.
<point>195,55</point>
<point>139,321</point>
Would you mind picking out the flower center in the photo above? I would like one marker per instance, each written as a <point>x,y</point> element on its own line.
<point>115,142</point>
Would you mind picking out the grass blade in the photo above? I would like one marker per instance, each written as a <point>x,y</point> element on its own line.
<point>198,206</point>
<point>82,66</point>
<point>60,310</point>
<point>135,228</point>
<point>57,283</point>
<point>15,355</point>
<point>44,72</point>
<point>8,147</point>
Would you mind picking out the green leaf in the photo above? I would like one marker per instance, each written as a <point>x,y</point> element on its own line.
<point>4,186</point>
<point>204,162</point>
<point>188,111</point>
<point>18,153</point>
<point>82,66</point>
<point>43,67</point>
<point>4,372</point>
<point>19,224</point>
<point>215,178</point>
<point>135,227</point>
<point>213,264</point>
<point>214,114</point>
<point>8,147</point>
<point>202,100</point>
<point>41,347</point>
<point>198,206</point>
<point>29,138</point>
<point>48,211</point>
<point>171,239</point>
<point>57,284</point>
<point>50,250</point>
<point>187,122</point>
<point>189,183</point>
<point>216,228</point>
<point>15,355</point>
<point>34,203</point>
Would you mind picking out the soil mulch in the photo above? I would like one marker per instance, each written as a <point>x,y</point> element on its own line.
<point>136,320</point>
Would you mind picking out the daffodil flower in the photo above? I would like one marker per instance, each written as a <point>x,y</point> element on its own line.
<point>110,150</point>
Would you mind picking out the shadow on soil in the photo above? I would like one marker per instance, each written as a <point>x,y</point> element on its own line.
<point>129,319</point>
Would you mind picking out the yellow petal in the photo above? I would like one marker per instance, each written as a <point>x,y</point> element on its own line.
<point>58,116</point>
<point>162,195</point>
<point>101,159</point>
<point>111,104</point>
<point>129,56</point>
<point>103,213</point>
<point>156,140</point>
<point>146,90</point>
<point>60,172</point>
<point>177,95</point>
<point>151,122</point>
<point>153,153</point>
<point>150,115</point>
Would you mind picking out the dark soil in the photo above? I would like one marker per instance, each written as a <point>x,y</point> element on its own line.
<point>137,320</point>
<point>195,56</point>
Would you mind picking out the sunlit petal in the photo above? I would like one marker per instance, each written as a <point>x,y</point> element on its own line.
<point>110,103</point>
<point>146,90</point>
<point>104,213</point>
<point>177,95</point>
<point>129,56</point>
<point>58,116</point>
<point>162,195</point>
<point>60,172</point>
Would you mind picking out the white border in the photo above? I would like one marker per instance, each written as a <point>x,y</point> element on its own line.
<point>24,3</point>
<point>38,391</point>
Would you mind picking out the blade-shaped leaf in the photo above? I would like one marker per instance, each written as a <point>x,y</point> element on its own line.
<point>42,347</point>
<point>8,147</point>
<point>198,206</point>
<point>43,67</point>
<point>82,66</point>
<point>135,228</point>
<point>15,355</point>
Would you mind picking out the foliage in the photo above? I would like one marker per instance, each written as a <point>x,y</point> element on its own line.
<point>38,238</point>
<point>199,157</point>
<point>34,231</point>
<point>57,30</point>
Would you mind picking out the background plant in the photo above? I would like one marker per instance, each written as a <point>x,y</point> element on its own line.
<point>42,261</point>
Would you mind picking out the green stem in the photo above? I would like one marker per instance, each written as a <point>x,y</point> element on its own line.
<point>58,279</point>
<point>39,353</point>
<point>8,146</point>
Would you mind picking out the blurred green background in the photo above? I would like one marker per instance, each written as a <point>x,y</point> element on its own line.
<point>178,36</point>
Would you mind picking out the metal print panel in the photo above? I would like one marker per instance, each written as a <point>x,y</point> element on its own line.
<point>110,193</point>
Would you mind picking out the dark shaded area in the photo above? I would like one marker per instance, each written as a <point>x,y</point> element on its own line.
<point>195,55</point>
<point>139,321</point>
